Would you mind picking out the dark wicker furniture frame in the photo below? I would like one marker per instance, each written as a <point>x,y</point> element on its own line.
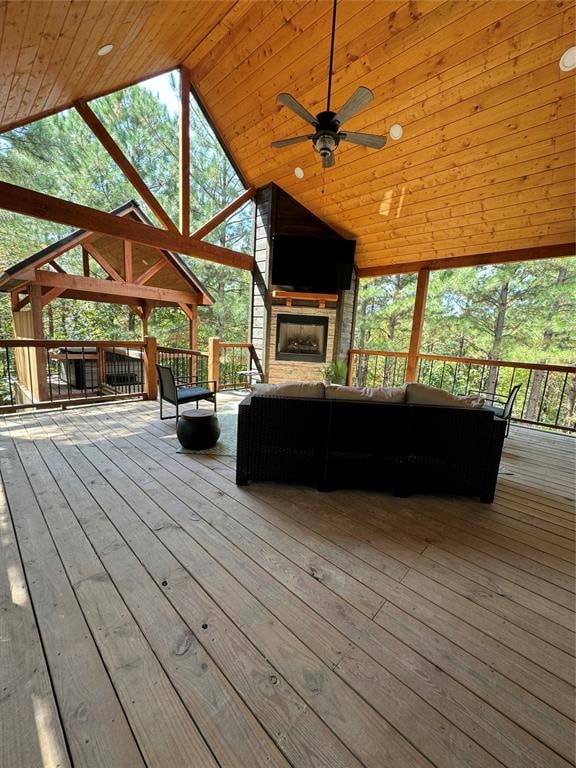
<point>335,443</point>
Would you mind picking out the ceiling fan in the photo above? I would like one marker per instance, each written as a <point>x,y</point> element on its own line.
<point>327,124</point>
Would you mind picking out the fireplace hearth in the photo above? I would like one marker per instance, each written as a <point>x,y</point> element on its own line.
<point>301,338</point>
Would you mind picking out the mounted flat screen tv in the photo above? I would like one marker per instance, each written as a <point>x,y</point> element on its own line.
<point>312,264</point>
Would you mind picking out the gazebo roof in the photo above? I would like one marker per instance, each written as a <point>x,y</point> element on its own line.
<point>109,252</point>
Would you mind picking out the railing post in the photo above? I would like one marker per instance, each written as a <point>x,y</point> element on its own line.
<point>417,324</point>
<point>150,382</point>
<point>351,364</point>
<point>214,360</point>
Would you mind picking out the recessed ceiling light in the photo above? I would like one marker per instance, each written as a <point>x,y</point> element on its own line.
<point>396,131</point>
<point>105,49</point>
<point>298,172</point>
<point>568,59</point>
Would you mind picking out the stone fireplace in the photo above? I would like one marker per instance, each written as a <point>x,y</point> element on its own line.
<point>301,338</point>
<point>295,334</point>
<point>314,337</point>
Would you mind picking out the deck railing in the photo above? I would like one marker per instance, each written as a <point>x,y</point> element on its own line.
<point>233,365</point>
<point>187,364</point>
<point>36,373</point>
<point>547,397</point>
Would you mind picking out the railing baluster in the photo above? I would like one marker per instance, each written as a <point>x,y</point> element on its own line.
<point>557,418</point>
<point>542,397</point>
<point>523,409</point>
<point>12,398</point>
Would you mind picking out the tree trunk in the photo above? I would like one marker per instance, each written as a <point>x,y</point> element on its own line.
<point>534,396</point>
<point>50,313</point>
<point>533,401</point>
<point>494,354</point>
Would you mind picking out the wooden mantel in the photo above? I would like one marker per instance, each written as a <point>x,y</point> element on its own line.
<point>290,296</point>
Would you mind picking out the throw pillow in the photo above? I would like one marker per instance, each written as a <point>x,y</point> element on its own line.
<point>309,389</point>
<point>373,394</point>
<point>422,394</point>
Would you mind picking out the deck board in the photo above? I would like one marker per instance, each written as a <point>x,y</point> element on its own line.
<point>274,625</point>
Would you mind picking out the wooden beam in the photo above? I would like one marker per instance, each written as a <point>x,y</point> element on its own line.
<point>104,263</point>
<point>187,311</point>
<point>184,151</point>
<point>136,309</point>
<point>417,323</point>
<point>31,203</point>
<point>104,288</point>
<point>151,271</point>
<point>22,303</point>
<point>57,267</point>
<point>85,262</point>
<point>477,260</point>
<point>101,133</point>
<point>52,294</point>
<point>224,213</point>
<point>128,261</point>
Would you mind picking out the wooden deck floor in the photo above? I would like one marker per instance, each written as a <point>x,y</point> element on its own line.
<point>154,614</point>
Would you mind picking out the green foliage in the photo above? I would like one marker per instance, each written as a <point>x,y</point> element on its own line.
<point>58,155</point>
<point>335,372</point>
<point>523,312</point>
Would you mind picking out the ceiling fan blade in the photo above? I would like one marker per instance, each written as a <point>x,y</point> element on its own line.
<point>364,139</point>
<point>288,142</point>
<point>328,161</point>
<point>360,98</point>
<point>290,102</point>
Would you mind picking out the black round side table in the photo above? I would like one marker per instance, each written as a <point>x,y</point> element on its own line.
<point>198,430</point>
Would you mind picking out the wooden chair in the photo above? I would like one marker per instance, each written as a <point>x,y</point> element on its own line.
<point>183,393</point>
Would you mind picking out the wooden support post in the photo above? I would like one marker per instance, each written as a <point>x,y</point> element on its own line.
<point>146,311</point>
<point>351,364</point>
<point>193,341</point>
<point>40,385</point>
<point>214,360</point>
<point>85,262</point>
<point>150,380</point>
<point>417,324</point>
<point>184,153</point>
<point>128,261</point>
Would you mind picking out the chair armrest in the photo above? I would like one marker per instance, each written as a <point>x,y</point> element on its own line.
<point>487,398</point>
<point>197,384</point>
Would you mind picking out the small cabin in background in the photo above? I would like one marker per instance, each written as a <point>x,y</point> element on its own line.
<point>109,270</point>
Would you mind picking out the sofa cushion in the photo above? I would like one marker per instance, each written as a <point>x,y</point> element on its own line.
<point>422,394</point>
<point>373,394</point>
<point>309,389</point>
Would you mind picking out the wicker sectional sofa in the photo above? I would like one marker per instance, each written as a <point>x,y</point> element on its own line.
<point>401,446</point>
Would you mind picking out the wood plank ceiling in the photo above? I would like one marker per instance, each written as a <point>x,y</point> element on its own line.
<point>486,163</point>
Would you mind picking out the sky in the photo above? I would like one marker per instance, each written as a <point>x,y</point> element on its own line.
<point>161,87</point>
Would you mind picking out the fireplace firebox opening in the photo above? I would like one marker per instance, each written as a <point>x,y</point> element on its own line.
<point>301,337</point>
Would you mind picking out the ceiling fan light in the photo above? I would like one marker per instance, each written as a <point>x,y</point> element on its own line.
<point>396,131</point>
<point>325,144</point>
<point>568,59</point>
